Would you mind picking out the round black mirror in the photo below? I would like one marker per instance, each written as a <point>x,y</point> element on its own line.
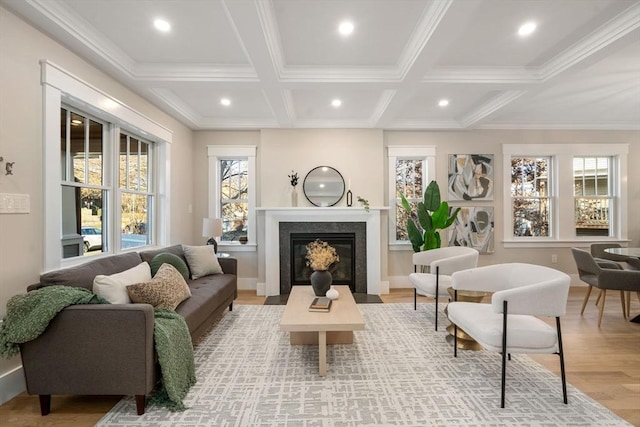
<point>323,186</point>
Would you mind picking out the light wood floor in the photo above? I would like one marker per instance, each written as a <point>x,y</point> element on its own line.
<point>602,362</point>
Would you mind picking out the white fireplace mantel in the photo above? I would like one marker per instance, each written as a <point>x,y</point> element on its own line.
<point>274,216</point>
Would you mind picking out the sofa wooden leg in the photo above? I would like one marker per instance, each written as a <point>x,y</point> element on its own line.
<point>140,400</point>
<point>231,307</point>
<point>45,404</point>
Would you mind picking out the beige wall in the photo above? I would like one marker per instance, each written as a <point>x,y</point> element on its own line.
<point>21,49</point>
<point>360,155</point>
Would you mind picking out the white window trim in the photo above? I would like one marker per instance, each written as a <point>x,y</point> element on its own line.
<point>427,153</point>
<point>61,87</point>
<point>563,226</point>
<point>216,153</point>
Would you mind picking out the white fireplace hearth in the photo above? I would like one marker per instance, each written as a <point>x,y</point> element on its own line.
<point>274,216</point>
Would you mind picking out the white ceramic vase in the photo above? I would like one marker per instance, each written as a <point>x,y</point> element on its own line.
<point>332,293</point>
<point>294,197</point>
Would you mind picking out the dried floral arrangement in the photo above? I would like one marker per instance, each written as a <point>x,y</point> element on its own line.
<point>294,178</point>
<point>320,256</point>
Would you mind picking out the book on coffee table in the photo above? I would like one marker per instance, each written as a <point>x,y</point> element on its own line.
<point>320,304</point>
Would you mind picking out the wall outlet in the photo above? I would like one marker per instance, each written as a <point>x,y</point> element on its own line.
<point>554,259</point>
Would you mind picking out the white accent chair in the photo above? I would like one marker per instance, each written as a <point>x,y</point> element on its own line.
<point>520,293</point>
<point>441,263</point>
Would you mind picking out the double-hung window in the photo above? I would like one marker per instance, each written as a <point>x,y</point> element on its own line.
<point>410,171</point>
<point>104,166</point>
<point>564,193</point>
<point>531,196</point>
<point>593,195</point>
<point>232,187</point>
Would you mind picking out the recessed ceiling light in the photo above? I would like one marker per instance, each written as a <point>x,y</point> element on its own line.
<point>346,28</point>
<point>443,102</point>
<point>225,101</point>
<point>527,29</point>
<point>336,103</point>
<point>162,25</point>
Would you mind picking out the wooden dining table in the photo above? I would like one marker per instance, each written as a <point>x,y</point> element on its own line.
<point>630,252</point>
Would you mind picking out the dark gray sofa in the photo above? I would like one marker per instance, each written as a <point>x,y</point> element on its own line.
<point>102,349</point>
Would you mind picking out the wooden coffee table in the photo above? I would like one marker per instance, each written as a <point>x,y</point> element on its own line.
<point>334,327</point>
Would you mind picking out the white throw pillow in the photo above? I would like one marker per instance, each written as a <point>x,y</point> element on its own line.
<point>113,288</point>
<point>202,260</point>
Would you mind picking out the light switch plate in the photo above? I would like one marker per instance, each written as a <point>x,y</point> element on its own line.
<point>14,203</point>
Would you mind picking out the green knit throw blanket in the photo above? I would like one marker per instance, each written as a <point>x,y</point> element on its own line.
<point>28,315</point>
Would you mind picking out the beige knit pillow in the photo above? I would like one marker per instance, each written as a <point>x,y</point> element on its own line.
<point>167,289</point>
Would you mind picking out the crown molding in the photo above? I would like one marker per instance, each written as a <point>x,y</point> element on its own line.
<point>630,126</point>
<point>234,124</point>
<point>477,75</point>
<point>493,105</point>
<point>417,124</point>
<point>194,73</point>
<point>427,25</point>
<point>175,104</point>
<point>381,106</point>
<point>615,29</point>
<point>269,23</point>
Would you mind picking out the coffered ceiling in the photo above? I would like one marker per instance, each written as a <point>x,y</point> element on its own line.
<point>281,63</point>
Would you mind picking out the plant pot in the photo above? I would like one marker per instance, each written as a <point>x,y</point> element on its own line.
<point>321,282</point>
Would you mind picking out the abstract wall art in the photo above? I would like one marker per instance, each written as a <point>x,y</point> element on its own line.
<point>471,177</point>
<point>473,228</point>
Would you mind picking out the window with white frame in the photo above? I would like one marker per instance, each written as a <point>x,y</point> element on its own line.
<point>564,192</point>
<point>85,205</point>
<point>232,192</point>
<point>531,196</point>
<point>137,198</point>
<point>410,171</point>
<point>592,192</point>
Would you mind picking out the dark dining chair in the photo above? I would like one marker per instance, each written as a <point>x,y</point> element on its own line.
<point>593,274</point>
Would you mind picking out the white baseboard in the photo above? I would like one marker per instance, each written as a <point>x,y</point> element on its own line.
<point>11,384</point>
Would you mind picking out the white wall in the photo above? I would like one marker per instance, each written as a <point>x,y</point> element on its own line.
<point>21,49</point>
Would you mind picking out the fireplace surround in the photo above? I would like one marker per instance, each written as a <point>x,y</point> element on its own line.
<point>341,235</point>
<point>269,252</point>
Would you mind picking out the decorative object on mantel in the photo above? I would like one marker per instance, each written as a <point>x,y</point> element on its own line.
<point>212,228</point>
<point>8,166</point>
<point>294,191</point>
<point>323,186</point>
<point>364,202</point>
<point>320,256</point>
<point>432,215</point>
<point>333,293</point>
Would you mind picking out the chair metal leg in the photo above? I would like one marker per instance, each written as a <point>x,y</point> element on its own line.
<point>561,354</point>
<point>586,298</point>
<point>603,296</point>
<point>437,290</point>
<point>455,340</point>
<point>455,329</point>
<point>415,298</point>
<point>504,351</point>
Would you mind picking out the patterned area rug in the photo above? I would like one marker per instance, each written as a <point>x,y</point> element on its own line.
<point>398,372</point>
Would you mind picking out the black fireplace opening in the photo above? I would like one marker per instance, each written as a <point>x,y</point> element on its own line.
<point>343,272</point>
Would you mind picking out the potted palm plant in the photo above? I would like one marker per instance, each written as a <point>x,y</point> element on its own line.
<point>432,215</point>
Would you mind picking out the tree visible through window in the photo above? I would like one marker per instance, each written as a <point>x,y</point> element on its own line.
<point>530,196</point>
<point>234,198</point>
<point>409,181</point>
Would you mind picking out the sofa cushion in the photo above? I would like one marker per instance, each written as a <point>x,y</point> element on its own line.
<point>207,293</point>
<point>83,275</point>
<point>202,260</point>
<point>175,249</point>
<point>167,289</point>
<point>114,287</point>
<point>172,259</point>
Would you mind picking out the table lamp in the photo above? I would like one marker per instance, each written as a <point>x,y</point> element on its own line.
<point>212,228</point>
